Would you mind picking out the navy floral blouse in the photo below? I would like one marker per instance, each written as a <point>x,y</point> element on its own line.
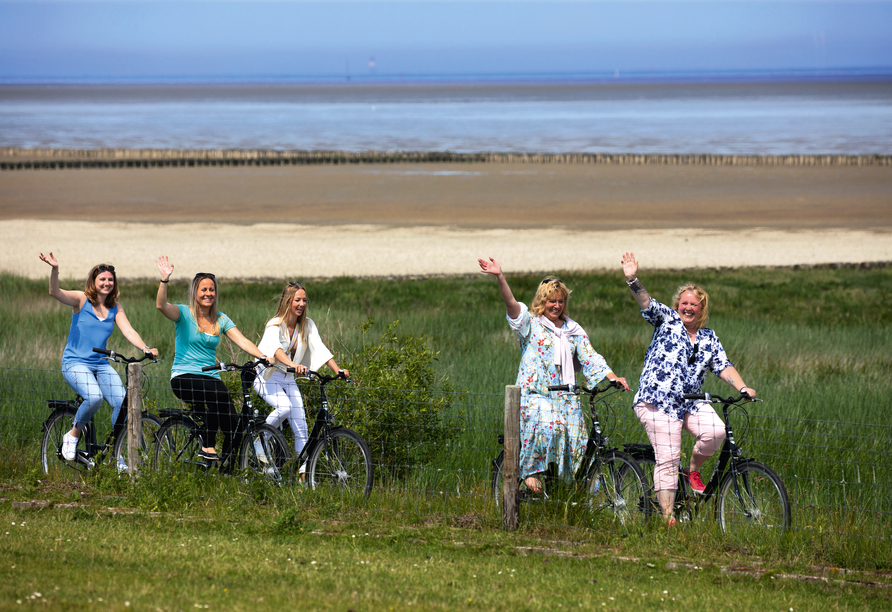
<point>667,376</point>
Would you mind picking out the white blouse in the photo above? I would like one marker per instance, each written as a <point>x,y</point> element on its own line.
<point>313,354</point>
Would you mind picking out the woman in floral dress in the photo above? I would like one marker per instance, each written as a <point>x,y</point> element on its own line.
<point>553,348</point>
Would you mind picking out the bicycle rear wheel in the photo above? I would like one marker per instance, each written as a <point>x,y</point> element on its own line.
<point>341,460</point>
<point>55,427</point>
<point>617,486</point>
<point>761,506</point>
<point>264,452</point>
<point>151,425</point>
<point>177,445</point>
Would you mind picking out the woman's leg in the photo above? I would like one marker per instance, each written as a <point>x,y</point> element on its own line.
<point>283,395</point>
<point>112,388</point>
<point>709,430</point>
<point>205,393</point>
<point>664,433</point>
<point>80,377</point>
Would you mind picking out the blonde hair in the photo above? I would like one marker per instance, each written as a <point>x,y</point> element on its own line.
<point>90,286</point>
<point>702,297</point>
<point>193,302</point>
<point>288,294</point>
<point>548,287</point>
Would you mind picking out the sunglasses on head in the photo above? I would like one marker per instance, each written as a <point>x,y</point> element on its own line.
<point>295,284</point>
<point>103,268</point>
<point>693,356</point>
<point>206,275</point>
<point>550,279</point>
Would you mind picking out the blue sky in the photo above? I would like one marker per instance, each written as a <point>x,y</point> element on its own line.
<point>163,39</point>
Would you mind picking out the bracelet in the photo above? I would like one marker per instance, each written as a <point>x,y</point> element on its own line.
<point>147,348</point>
<point>166,281</point>
<point>742,389</point>
<point>630,282</point>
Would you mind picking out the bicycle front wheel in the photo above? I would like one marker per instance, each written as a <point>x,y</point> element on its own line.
<point>758,503</point>
<point>151,425</point>
<point>617,486</point>
<point>264,452</point>
<point>54,465</point>
<point>177,445</point>
<point>341,460</point>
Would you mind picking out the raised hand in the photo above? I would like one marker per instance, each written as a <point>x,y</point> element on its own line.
<point>49,259</point>
<point>165,267</point>
<point>490,267</point>
<point>630,265</point>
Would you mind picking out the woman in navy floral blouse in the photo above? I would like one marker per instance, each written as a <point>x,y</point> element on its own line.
<point>680,354</point>
<point>553,347</point>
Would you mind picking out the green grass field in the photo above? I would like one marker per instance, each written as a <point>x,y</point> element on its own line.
<point>815,343</point>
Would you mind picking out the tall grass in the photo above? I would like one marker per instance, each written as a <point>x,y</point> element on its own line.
<point>814,343</point>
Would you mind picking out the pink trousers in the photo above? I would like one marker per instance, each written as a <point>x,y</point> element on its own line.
<point>664,433</point>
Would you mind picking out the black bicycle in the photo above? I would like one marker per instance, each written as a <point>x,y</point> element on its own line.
<point>257,448</point>
<point>613,481</point>
<point>336,457</point>
<point>90,452</point>
<point>743,492</point>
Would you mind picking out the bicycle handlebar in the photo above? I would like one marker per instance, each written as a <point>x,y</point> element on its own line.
<point>121,359</point>
<point>717,399</point>
<point>323,378</point>
<point>576,389</point>
<point>225,367</point>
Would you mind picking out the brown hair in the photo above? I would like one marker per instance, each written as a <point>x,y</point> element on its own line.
<point>548,287</point>
<point>702,297</point>
<point>90,286</point>
<point>193,302</point>
<point>285,300</point>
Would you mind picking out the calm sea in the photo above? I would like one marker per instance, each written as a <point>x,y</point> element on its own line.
<point>795,117</point>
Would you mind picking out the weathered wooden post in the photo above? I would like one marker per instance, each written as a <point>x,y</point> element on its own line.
<point>510,511</point>
<point>134,417</point>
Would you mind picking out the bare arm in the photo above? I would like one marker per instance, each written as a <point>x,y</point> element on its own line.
<point>334,367</point>
<point>492,267</point>
<point>132,336</point>
<point>730,376</point>
<point>243,343</point>
<point>75,299</point>
<point>168,310</point>
<point>630,269</point>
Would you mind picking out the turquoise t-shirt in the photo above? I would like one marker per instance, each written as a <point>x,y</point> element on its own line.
<point>194,349</point>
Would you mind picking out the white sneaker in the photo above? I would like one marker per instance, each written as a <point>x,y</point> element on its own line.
<point>258,448</point>
<point>69,447</point>
<point>122,465</point>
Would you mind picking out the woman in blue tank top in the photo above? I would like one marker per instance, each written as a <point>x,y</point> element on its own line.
<point>95,311</point>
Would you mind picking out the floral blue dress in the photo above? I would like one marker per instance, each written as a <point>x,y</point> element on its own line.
<point>552,426</point>
<point>667,376</point>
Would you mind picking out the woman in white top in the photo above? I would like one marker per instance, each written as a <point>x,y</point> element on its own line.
<point>294,341</point>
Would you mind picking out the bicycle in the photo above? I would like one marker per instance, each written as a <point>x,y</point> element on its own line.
<point>89,452</point>
<point>259,448</point>
<point>613,481</point>
<point>336,457</point>
<point>746,492</point>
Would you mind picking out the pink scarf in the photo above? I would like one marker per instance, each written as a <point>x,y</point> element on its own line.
<point>563,353</point>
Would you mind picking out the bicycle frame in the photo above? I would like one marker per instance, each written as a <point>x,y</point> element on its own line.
<point>324,421</point>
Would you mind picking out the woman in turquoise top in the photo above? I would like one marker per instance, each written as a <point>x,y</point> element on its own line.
<point>199,327</point>
<point>95,311</point>
<point>553,347</point>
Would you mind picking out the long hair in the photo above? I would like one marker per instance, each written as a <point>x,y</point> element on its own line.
<point>550,286</point>
<point>702,297</point>
<point>193,302</point>
<point>90,286</point>
<point>288,294</point>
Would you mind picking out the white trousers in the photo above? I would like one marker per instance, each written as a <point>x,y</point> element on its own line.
<point>283,395</point>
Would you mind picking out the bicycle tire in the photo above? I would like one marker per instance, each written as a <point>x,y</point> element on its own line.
<point>763,504</point>
<point>55,427</point>
<point>177,445</point>
<point>496,487</point>
<point>151,425</point>
<point>341,460</point>
<point>616,484</point>
<point>270,463</point>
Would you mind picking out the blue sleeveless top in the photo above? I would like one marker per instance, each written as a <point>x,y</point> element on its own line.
<point>87,331</point>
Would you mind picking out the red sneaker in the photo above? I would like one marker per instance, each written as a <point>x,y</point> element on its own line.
<point>695,482</point>
<point>672,523</point>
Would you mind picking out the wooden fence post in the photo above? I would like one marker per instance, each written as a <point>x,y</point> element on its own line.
<point>134,417</point>
<point>510,511</point>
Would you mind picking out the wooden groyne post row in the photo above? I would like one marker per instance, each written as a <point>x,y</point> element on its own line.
<point>12,158</point>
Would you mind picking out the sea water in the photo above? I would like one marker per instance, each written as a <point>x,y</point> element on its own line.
<point>848,116</point>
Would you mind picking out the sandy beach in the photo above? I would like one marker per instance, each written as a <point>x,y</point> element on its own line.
<point>417,219</point>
